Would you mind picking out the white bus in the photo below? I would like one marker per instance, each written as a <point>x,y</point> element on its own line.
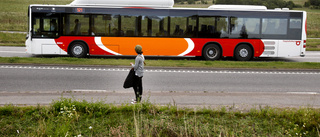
<point>93,27</point>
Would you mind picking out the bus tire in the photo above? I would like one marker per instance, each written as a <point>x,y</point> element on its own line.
<point>78,50</point>
<point>211,52</point>
<point>243,53</point>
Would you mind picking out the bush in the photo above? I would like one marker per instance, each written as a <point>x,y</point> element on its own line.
<point>191,2</point>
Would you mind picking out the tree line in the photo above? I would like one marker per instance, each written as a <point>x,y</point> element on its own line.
<point>270,4</point>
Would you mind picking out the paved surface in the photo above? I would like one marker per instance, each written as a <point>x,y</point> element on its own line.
<point>21,78</point>
<point>241,89</point>
<point>232,100</point>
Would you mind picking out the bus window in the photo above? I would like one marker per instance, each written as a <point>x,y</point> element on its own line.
<point>100,25</point>
<point>45,26</point>
<point>76,24</point>
<point>128,25</point>
<point>178,26</point>
<point>295,28</point>
<point>295,24</point>
<point>114,27</point>
<point>274,26</point>
<point>245,28</point>
<point>156,26</point>
<point>146,25</point>
<point>216,27</point>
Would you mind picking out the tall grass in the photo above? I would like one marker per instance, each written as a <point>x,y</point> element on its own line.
<point>69,117</point>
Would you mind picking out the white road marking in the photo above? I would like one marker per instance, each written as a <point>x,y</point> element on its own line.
<point>161,70</point>
<point>88,90</point>
<point>303,93</point>
<point>20,52</point>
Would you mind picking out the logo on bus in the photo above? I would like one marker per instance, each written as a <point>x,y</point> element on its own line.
<point>297,42</point>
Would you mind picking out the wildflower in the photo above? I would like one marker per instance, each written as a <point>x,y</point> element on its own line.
<point>90,127</point>
<point>18,131</point>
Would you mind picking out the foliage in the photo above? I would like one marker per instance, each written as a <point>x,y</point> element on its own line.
<point>270,4</point>
<point>164,63</point>
<point>68,117</point>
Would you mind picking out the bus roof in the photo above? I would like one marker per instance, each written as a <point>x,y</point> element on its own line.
<point>125,3</point>
<point>237,7</point>
<point>213,7</point>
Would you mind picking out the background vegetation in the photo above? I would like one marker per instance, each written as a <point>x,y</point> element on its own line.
<point>68,117</point>
<point>164,63</point>
<point>13,14</point>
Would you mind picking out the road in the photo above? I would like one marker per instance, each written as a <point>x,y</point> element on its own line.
<point>162,85</point>
<point>311,56</point>
<point>32,85</point>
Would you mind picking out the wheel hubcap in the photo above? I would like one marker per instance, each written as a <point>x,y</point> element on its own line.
<point>244,53</point>
<point>77,50</point>
<point>212,53</point>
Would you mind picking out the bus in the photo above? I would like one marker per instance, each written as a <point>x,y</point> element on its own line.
<point>88,28</point>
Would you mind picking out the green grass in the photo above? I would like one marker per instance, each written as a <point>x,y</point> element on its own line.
<point>163,63</point>
<point>14,13</point>
<point>13,17</point>
<point>313,44</point>
<point>10,39</point>
<point>69,117</point>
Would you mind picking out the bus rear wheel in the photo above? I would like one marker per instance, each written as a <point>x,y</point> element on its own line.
<point>211,52</point>
<point>243,53</point>
<point>78,50</point>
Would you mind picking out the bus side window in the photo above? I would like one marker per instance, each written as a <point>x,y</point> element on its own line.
<point>274,26</point>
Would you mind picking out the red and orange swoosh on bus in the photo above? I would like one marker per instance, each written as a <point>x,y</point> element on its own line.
<point>156,46</point>
<point>151,46</point>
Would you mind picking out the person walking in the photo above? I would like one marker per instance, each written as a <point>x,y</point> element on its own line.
<point>138,67</point>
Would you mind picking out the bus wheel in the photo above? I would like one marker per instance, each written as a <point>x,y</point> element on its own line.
<point>243,53</point>
<point>211,52</point>
<point>78,49</point>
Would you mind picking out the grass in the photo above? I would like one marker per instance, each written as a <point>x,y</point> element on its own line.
<point>69,117</point>
<point>313,44</point>
<point>13,17</point>
<point>11,39</point>
<point>163,63</point>
<point>14,13</point>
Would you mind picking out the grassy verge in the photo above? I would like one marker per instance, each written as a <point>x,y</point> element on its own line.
<point>163,63</point>
<point>10,39</point>
<point>313,44</point>
<point>68,117</point>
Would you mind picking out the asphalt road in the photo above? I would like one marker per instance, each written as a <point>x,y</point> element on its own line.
<point>64,78</point>
<point>21,84</point>
<point>32,85</point>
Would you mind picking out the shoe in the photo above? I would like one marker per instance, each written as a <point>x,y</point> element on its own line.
<point>133,102</point>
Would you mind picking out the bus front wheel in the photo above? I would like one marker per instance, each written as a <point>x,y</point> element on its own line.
<point>78,50</point>
<point>211,52</point>
<point>243,53</point>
